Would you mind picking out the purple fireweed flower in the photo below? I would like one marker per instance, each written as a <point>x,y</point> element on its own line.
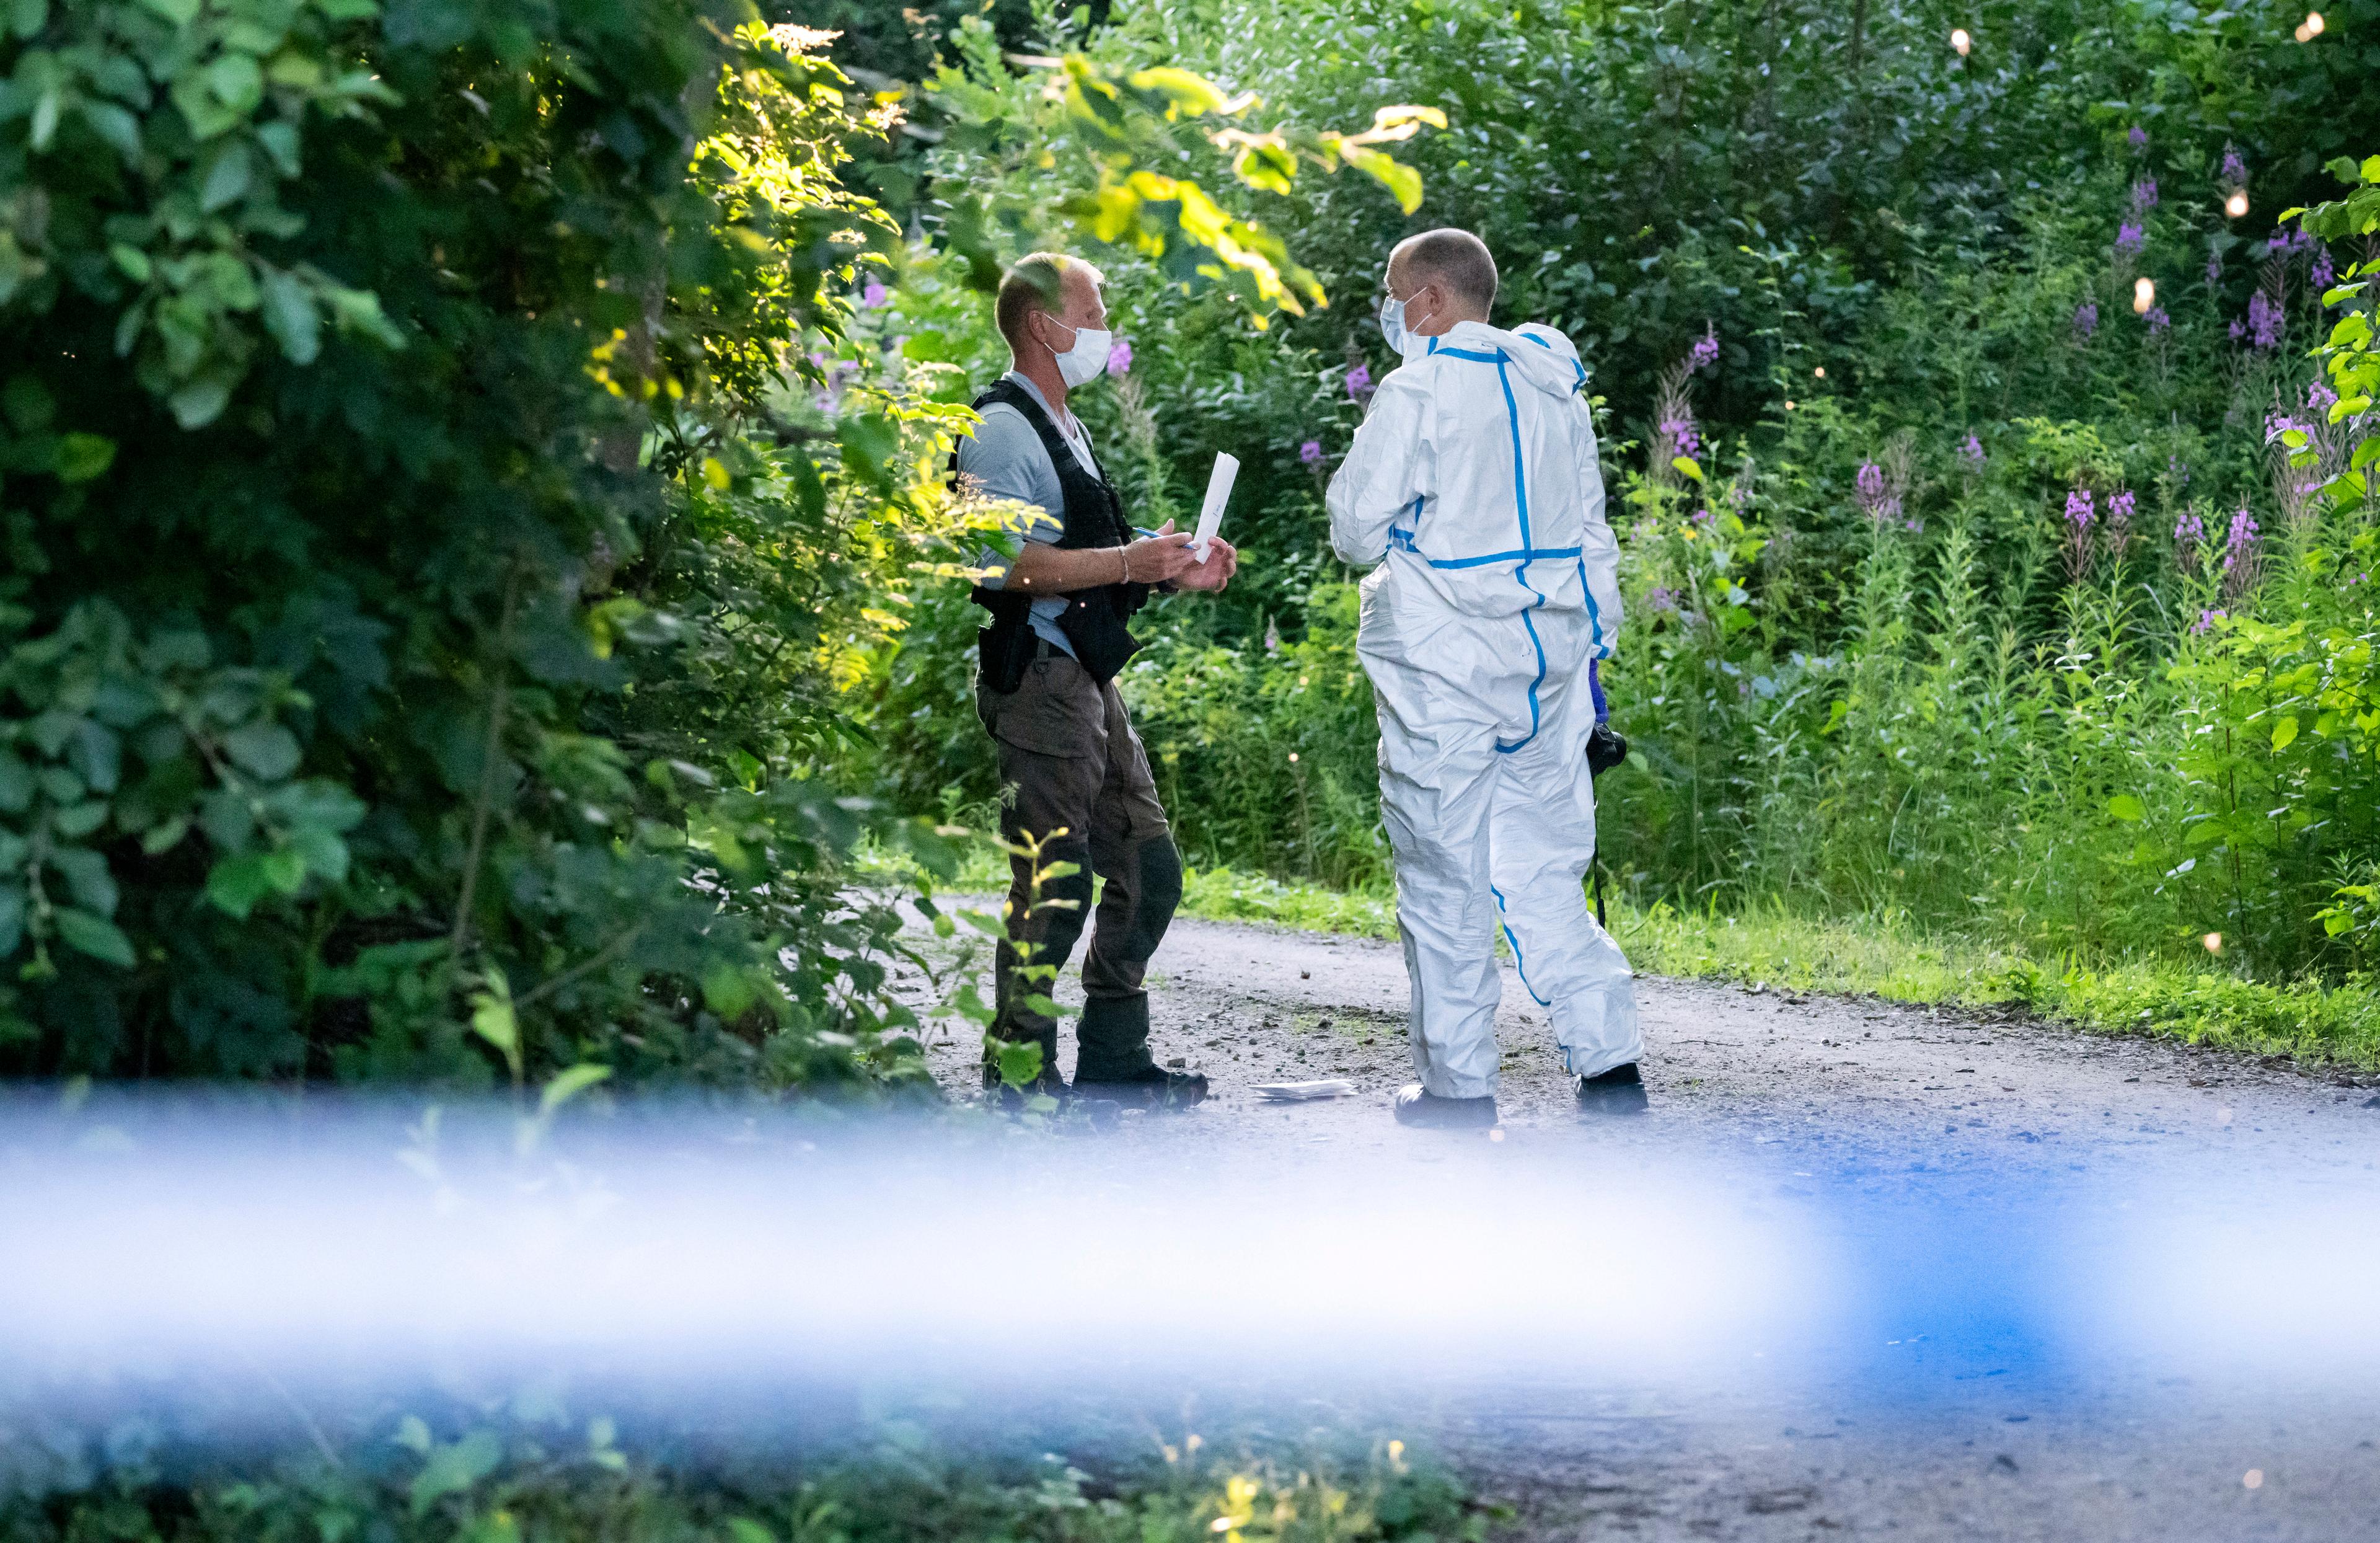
<point>1705,352</point>
<point>2235,167</point>
<point>2320,398</point>
<point>1120,357</point>
<point>1876,498</point>
<point>2177,470</point>
<point>1680,436</point>
<point>2290,243</point>
<point>1972,453</point>
<point>2086,318</point>
<point>2240,545</point>
<point>1311,452</point>
<point>1701,517</point>
<point>2079,516</point>
<point>2188,535</point>
<point>2214,268</point>
<point>2157,320</point>
<point>2278,423</point>
<point>2264,321</point>
<point>2144,195</point>
<point>875,297</point>
<point>1662,600</point>
<point>2139,139</point>
<point>2238,331</point>
<point>1359,381</point>
<point>2130,238</point>
<point>2206,620</point>
<point>2119,519</point>
<point>2322,273</point>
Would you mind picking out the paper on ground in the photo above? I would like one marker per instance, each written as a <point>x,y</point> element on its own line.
<point>1294,1092</point>
<point>1218,493</point>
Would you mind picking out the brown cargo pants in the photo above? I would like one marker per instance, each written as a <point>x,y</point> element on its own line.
<point>1070,760</point>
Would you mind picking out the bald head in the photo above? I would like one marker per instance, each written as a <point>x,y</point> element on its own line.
<point>1455,262</point>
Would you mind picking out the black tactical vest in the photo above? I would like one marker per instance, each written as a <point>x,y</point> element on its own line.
<point>1094,619</point>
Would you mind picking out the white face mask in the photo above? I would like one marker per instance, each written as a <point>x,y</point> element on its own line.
<point>1087,359</point>
<point>1400,337</point>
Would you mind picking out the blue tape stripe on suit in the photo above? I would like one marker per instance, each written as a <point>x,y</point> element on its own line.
<point>1521,502</point>
<point>1600,650</point>
<point>1526,554</point>
<point>1518,963</point>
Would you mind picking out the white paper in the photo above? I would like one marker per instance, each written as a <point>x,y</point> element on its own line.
<point>1300,1092</point>
<point>1218,493</point>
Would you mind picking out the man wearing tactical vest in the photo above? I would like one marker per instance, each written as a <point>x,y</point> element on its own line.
<point>1046,689</point>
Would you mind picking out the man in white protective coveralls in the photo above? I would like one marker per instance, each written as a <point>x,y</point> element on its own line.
<point>1474,477</point>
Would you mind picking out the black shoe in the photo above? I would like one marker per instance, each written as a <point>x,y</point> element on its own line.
<point>1049,1082</point>
<point>1015,1098</point>
<point>1419,1106</point>
<point>1114,1062</point>
<point>1617,1091</point>
<point>1150,1087</point>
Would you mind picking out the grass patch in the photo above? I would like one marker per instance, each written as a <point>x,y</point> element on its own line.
<point>1886,957</point>
<point>1216,894</point>
<point>1223,894</point>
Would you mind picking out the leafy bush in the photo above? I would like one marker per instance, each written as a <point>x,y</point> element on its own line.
<point>537,1471</point>
<point>400,535</point>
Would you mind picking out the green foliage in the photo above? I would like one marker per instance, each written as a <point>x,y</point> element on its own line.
<point>1124,151</point>
<point>416,620</point>
<point>528,1467</point>
<point>1872,664</point>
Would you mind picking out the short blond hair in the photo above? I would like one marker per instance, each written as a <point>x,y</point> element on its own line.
<point>1036,281</point>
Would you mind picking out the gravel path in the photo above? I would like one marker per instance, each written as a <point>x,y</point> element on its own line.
<point>1936,1139</point>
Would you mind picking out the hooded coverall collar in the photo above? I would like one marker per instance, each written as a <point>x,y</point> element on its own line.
<point>1538,355</point>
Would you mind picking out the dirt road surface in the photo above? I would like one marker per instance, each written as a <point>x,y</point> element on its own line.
<point>1938,1139</point>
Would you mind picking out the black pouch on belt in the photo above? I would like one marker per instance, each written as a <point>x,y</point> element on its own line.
<point>1003,650</point>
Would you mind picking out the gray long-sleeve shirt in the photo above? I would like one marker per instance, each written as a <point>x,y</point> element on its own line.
<point>1006,460</point>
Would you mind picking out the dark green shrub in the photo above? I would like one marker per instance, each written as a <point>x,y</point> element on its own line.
<point>375,487</point>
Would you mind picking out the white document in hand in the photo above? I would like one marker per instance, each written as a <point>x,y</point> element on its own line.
<point>1218,493</point>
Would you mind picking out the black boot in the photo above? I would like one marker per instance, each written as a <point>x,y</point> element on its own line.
<point>1419,1106</point>
<point>1050,1080</point>
<point>1114,1062</point>
<point>1617,1091</point>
